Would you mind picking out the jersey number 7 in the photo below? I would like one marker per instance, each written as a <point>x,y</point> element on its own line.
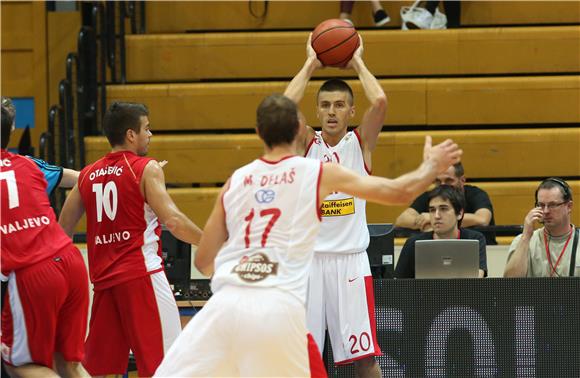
<point>273,212</point>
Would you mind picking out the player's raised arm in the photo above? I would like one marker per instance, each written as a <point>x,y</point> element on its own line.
<point>401,190</point>
<point>374,116</point>
<point>166,210</point>
<point>297,87</point>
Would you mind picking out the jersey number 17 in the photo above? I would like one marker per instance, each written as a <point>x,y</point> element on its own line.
<point>272,212</point>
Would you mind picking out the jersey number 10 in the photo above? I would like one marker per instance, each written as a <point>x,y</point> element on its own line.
<point>106,200</point>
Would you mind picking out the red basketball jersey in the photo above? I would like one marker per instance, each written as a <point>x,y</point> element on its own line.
<point>30,231</point>
<point>122,230</point>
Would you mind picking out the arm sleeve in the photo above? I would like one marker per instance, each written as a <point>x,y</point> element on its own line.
<point>421,203</point>
<point>406,263</point>
<point>52,174</point>
<point>513,246</point>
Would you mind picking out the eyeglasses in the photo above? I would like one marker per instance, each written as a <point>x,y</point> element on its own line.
<point>550,206</point>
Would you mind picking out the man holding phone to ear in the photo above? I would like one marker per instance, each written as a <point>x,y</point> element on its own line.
<point>550,251</point>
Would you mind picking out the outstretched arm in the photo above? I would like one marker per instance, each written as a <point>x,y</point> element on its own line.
<point>69,178</point>
<point>399,191</point>
<point>214,236</point>
<point>72,211</point>
<point>153,187</point>
<point>374,116</point>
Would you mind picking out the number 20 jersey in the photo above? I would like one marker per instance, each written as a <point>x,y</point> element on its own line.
<point>122,230</point>
<point>272,219</point>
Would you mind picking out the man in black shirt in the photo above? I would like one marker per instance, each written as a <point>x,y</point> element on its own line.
<point>445,205</point>
<point>478,208</point>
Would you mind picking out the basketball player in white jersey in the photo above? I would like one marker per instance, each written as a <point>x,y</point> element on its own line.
<point>258,244</point>
<point>340,294</point>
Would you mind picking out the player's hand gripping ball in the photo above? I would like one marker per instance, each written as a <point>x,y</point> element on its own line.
<point>335,41</point>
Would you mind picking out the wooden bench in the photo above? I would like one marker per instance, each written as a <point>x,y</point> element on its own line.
<point>511,202</point>
<point>177,17</point>
<point>191,57</point>
<point>434,102</point>
<point>487,153</point>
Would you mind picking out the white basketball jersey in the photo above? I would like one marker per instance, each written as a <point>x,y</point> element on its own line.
<point>344,220</point>
<point>272,218</point>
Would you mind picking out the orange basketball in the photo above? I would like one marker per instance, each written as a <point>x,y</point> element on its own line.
<point>335,41</point>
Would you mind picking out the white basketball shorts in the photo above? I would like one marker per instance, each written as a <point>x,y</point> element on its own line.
<point>341,298</point>
<point>248,332</point>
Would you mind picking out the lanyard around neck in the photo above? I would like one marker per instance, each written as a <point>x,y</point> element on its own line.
<point>549,255</point>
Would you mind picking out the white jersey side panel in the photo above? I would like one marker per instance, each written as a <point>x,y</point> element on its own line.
<point>344,220</point>
<point>272,221</point>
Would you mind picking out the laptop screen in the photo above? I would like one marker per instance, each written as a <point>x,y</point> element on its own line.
<point>446,258</point>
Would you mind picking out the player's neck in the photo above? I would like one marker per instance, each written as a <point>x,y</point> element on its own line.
<point>278,152</point>
<point>332,140</point>
<point>123,148</point>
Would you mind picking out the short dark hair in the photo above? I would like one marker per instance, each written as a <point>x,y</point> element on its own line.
<point>120,117</point>
<point>459,171</point>
<point>277,120</point>
<point>336,85</point>
<point>556,182</point>
<point>9,106</point>
<point>8,115</point>
<point>7,121</point>
<point>451,194</point>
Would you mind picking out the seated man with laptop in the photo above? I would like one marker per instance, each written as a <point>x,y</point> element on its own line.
<point>448,251</point>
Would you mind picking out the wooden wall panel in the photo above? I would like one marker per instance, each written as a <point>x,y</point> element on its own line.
<point>179,16</point>
<point>434,102</point>
<point>488,154</point>
<point>24,59</point>
<point>192,57</point>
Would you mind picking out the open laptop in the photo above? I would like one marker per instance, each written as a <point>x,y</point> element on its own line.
<point>447,258</point>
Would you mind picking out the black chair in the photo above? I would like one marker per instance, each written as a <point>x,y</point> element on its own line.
<point>381,250</point>
<point>177,262</point>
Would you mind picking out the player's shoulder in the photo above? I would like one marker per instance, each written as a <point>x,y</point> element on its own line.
<point>149,168</point>
<point>10,158</point>
<point>318,138</point>
<point>26,162</point>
